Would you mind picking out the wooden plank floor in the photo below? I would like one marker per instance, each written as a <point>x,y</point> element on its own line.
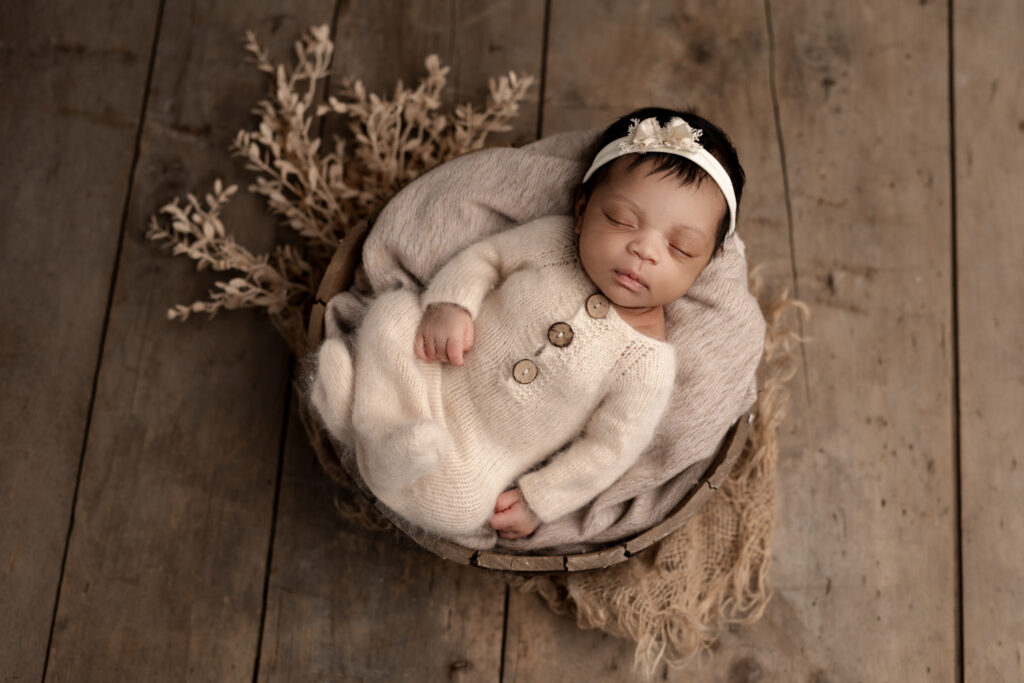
<point>162,517</point>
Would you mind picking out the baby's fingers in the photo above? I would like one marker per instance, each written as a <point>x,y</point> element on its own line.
<point>507,499</point>
<point>509,524</point>
<point>418,347</point>
<point>501,520</point>
<point>429,349</point>
<point>453,349</point>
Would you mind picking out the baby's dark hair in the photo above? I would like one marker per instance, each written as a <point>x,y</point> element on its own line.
<point>713,139</point>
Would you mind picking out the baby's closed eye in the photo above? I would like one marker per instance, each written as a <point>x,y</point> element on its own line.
<point>619,220</point>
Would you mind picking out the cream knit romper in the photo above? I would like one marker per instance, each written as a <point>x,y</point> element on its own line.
<point>553,370</point>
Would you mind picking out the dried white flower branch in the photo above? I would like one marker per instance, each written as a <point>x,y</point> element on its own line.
<point>319,194</point>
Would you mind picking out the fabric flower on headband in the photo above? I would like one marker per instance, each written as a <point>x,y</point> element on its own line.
<point>649,134</point>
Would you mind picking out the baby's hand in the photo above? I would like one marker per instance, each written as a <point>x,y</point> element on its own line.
<point>512,517</point>
<point>445,333</point>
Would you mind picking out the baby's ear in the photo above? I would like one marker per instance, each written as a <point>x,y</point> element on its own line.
<point>581,206</point>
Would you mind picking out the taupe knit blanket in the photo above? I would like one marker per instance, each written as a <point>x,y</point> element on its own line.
<point>717,329</point>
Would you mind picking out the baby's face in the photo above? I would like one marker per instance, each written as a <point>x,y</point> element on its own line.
<point>644,238</point>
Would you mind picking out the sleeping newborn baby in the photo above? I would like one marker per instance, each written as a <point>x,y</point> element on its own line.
<point>533,370</point>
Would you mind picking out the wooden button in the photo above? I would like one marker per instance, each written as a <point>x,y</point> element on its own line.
<point>525,371</point>
<point>560,334</point>
<point>597,306</point>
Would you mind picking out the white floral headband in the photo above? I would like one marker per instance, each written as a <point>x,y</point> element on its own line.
<point>676,137</point>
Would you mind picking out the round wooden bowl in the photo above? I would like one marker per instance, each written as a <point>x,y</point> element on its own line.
<point>337,278</point>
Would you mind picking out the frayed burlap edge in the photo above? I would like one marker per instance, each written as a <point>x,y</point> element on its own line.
<point>673,599</point>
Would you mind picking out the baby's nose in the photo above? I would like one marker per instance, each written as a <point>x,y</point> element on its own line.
<point>644,248</point>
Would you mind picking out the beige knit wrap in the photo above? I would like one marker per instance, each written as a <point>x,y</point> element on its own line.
<point>717,328</point>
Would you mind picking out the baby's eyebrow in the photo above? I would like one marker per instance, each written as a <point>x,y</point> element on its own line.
<point>627,200</point>
<point>680,228</point>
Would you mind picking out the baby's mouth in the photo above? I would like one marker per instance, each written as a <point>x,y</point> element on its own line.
<point>630,280</point>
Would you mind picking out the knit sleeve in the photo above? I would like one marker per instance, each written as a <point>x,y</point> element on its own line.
<point>472,273</point>
<point>618,431</point>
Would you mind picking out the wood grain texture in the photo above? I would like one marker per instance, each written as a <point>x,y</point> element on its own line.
<point>478,40</point>
<point>67,142</point>
<point>604,60</point>
<point>349,604</point>
<point>865,552</point>
<point>989,119</point>
<point>536,636</point>
<point>363,608</point>
<point>168,552</point>
<point>169,544</point>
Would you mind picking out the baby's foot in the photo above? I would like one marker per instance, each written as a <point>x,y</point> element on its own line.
<point>405,452</point>
<point>331,392</point>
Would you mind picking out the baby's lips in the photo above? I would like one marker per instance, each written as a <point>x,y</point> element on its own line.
<point>630,280</point>
<point>635,275</point>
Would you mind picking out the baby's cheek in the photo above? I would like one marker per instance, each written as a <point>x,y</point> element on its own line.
<point>685,278</point>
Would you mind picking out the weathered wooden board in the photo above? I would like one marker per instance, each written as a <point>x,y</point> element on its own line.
<point>601,65</point>
<point>349,604</point>
<point>543,646</point>
<point>988,37</point>
<point>477,40</point>
<point>67,141</point>
<point>168,552</point>
<point>865,552</point>
<point>346,604</point>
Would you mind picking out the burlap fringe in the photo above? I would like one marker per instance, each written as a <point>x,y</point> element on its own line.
<point>674,599</point>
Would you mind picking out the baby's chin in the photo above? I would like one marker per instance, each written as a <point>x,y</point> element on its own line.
<point>645,299</point>
<point>637,300</point>
<point>636,304</point>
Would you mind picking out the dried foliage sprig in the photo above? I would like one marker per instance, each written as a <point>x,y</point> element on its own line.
<point>272,281</point>
<point>319,193</point>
